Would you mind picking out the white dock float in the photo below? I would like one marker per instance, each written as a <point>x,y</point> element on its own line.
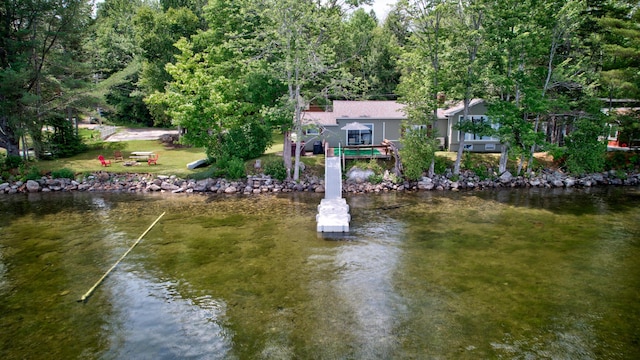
<point>333,215</point>
<point>333,211</point>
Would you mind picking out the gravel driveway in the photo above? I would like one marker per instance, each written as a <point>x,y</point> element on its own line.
<point>125,134</point>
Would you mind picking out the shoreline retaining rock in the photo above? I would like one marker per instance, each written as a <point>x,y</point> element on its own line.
<point>146,183</point>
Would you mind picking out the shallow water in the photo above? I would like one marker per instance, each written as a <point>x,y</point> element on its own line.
<point>517,274</point>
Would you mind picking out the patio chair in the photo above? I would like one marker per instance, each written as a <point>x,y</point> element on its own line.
<point>104,162</point>
<point>117,155</point>
<point>153,160</point>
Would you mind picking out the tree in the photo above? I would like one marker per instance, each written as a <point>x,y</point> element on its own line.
<point>370,54</point>
<point>112,44</point>
<point>216,93</point>
<point>40,65</point>
<point>466,32</point>
<point>300,48</point>
<point>525,40</point>
<point>422,69</point>
<point>417,152</point>
<point>156,33</point>
<point>618,43</point>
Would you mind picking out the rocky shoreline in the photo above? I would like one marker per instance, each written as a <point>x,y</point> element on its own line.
<point>146,183</point>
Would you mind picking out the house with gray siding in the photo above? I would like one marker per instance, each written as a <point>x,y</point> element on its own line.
<point>382,120</point>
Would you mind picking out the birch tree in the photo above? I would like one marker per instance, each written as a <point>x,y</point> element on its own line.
<point>299,46</point>
<point>420,83</point>
<point>512,35</point>
<point>467,37</point>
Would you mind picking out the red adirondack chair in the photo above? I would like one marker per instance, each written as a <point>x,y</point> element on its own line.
<point>103,161</point>
<point>153,160</point>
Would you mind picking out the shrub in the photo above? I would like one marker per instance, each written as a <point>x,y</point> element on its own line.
<point>375,179</point>
<point>231,168</point>
<point>275,169</point>
<point>12,162</point>
<point>585,153</point>
<point>63,173</point>
<point>235,168</point>
<point>33,173</point>
<point>616,160</point>
<point>246,141</point>
<point>442,164</point>
<point>417,152</point>
<point>63,141</point>
<point>621,174</point>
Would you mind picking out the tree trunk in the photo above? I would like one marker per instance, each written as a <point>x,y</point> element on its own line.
<point>397,169</point>
<point>520,164</point>
<point>286,153</point>
<point>297,126</point>
<point>8,138</point>
<point>504,153</point>
<point>465,114</point>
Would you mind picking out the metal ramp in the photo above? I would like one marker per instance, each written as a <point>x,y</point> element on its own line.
<point>333,211</point>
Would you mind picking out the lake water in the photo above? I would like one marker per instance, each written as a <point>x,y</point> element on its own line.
<point>514,274</point>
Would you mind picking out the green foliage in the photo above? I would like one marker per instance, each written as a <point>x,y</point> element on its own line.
<point>231,168</point>
<point>628,124</point>
<point>235,168</point>
<point>621,174</point>
<point>127,103</point>
<point>33,173</point>
<point>63,141</point>
<point>477,164</point>
<point>246,141</point>
<point>372,165</point>
<point>63,173</point>
<point>113,44</point>
<point>558,153</point>
<point>585,152</point>
<point>417,152</point>
<point>375,178</point>
<point>442,164</point>
<point>12,162</point>
<point>622,160</point>
<point>42,65</point>
<point>617,25</point>
<point>275,169</point>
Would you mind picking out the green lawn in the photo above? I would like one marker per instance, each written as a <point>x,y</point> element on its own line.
<point>173,161</point>
<point>170,161</point>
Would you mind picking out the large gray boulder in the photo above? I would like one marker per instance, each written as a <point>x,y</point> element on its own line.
<point>506,177</point>
<point>33,186</point>
<point>359,176</point>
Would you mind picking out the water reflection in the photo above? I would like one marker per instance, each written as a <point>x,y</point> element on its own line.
<point>153,321</point>
<point>364,283</point>
<point>515,274</point>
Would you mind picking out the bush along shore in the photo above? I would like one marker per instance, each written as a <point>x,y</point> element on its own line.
<point>145,183</point>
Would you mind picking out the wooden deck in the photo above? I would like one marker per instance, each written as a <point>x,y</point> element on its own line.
<point>361,152</point>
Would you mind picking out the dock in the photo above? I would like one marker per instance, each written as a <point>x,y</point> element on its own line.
<point>333,211</point>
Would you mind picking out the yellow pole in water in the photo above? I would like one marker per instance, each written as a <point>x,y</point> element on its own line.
<point>88,293</point>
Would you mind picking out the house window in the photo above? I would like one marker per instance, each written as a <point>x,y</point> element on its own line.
<point>425,129</point>
<point>479,120</point>
<point>360,137</point>
<point>312,131</point>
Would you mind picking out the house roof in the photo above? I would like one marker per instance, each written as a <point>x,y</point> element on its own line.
<point>456,108</point>
<point>355,110</point>
<point>362,110</point>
